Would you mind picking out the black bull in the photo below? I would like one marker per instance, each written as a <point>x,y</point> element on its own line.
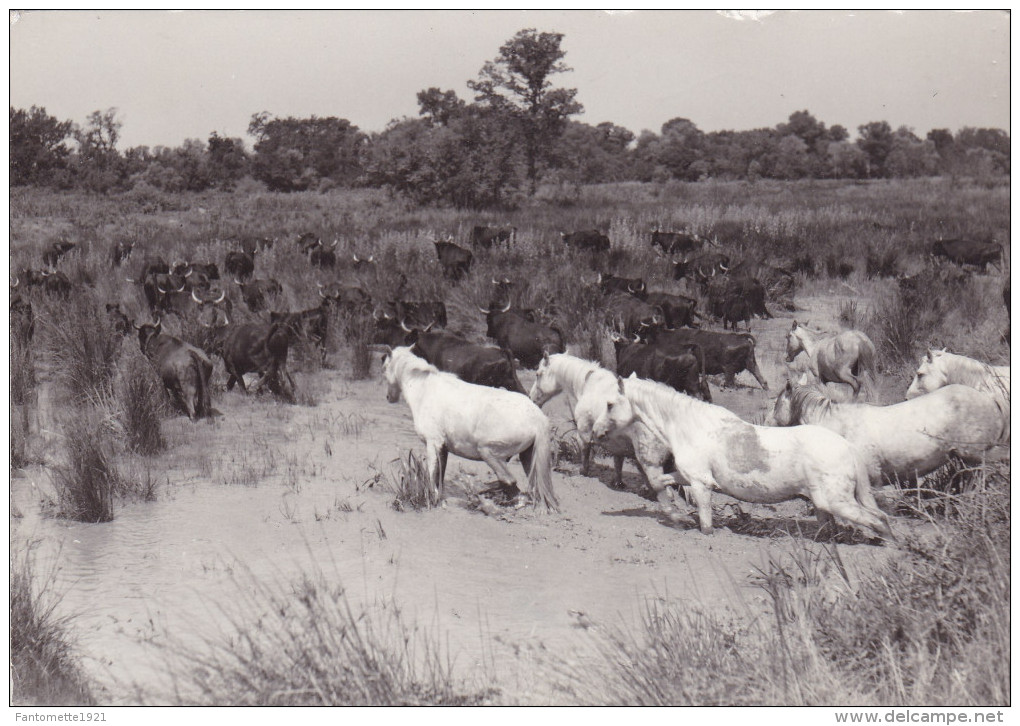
<point>470,362</point>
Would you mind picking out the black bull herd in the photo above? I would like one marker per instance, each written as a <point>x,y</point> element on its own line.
<point>657,334</point>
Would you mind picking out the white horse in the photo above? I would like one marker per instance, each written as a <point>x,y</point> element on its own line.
<point>582,381</point>
<point>715,449</point>
<point>472,421</point>
<point>939,368</point>
<point>906,440</point>
<point>840,358</point>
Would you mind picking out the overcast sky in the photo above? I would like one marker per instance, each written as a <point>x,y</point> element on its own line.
<point>178,75</point>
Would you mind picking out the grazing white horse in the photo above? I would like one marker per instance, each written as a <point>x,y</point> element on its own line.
<point>582,381</point>
<point>906,440</point>
<point>714,449</point>
<point>939,368</point>
<point>472,421</point>
<point>840,358</point>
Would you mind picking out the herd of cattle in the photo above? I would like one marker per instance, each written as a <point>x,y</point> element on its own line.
<point>658,335</point>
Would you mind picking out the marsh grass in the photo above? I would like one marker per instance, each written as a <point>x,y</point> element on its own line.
<point>411,486</point>
<point>45,669</point>
<point>22,373</point>
<point>80,346</point>
<point>929,626</point>
<point>142,403</point>
<point>302,643</point>
<point>88,480</point>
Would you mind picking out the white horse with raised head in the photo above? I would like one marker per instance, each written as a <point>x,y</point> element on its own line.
<point>939,368</point>
<point>841,358</point>
<point>902,441</point>
<point>475,422</point>
<point>582,381</point>
<point>714,449</point>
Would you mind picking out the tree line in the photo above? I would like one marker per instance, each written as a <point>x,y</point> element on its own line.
<point>516,132</point>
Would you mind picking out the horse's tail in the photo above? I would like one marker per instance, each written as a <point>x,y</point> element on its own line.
<point>866,497</point>
<point>540,476</point>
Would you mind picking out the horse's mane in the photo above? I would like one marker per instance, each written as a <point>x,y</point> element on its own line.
<point>407,363</point>
<point>967,371</point>
<point>809,399</point>
<point>574,369</point>
<point>668,406</point>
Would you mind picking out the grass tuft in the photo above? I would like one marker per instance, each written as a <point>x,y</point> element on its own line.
<point>45,670</point>
<point>412,486</point>
<point>302,644</point>
<point>87,482</point>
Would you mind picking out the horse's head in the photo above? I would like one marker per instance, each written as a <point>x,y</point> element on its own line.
<point>794,344</point>
<point>389,369</point>
<point>609,410</point>
<point>546,384</point>
<point>930,376</point>
<point>782,413</point>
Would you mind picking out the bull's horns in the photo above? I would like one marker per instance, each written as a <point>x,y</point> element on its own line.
<point>484,311</point>
<point>598,280</point>
<point>223,294</point>
<point>375,314</point>
<point>15,280</point>
<point>181,288</point>
<point>429,327</point>
<point>195,298</point>
<point>335,242</point>
<point>238,282</point>
<point>322,294</point>
<point>494,281</point>
<point>723,267</point>
<point>161,290</point>
<point>506,308</point>
<point>403,326</point>
<point>355,256</point>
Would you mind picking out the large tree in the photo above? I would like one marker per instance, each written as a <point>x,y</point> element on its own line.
<point>37,148</point>
<point>293,154</point>
<point>517,86</point>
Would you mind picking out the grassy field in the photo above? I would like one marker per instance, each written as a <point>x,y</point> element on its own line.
<point>930,627</point>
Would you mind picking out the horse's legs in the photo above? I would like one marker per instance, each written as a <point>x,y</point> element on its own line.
<point>825,520</point>
<point>443,452</point>
<point>498,466</point>
<point>617,472</point>
<point>862,516</point>
<point>703,499</point>
<point>434,467</point>
<point>660,483</point>
<point>586,447</point>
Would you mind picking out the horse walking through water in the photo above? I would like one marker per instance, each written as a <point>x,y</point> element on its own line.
<point>939,368</point>
<point>580,380</point>
<point>903,441</point>
<point>714,449</point>
<point>475,422</point>
<point>840,358</point>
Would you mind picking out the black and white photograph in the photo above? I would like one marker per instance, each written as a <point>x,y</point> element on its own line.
<point>509,358</point>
